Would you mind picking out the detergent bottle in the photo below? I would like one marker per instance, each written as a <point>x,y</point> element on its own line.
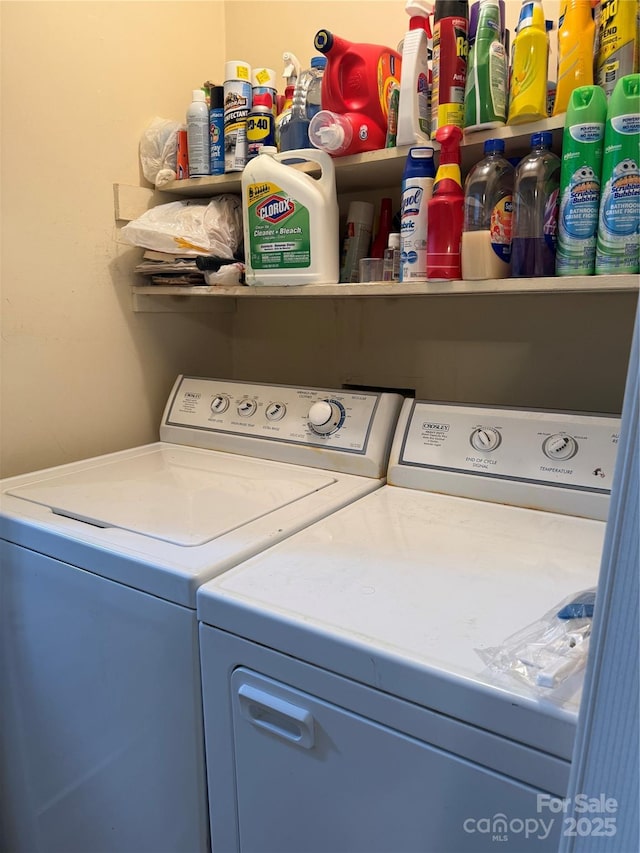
<point>414,108</point>
<point>290,220</point>
<point>357,84</point>
<point>582,146</point>
<point>485,98</point>
<point>576,34</point>
<point>528,94</point>
<point>619,220</point>
<point>446,210</point>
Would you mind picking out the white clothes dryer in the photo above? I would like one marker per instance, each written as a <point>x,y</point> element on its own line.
<point>101,740</point>
<point>343,691</point>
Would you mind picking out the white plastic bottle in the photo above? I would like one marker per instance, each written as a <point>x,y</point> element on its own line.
<point>414,119</point>
<point>290,220</point>
<point>198,135</point>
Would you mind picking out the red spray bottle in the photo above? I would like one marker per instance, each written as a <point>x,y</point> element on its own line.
<point>446,210</point>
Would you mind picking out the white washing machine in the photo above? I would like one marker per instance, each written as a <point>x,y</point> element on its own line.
<point>101,741</point>
<point>347,709</point>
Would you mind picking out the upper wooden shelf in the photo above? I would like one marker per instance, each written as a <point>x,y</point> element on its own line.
<point>382,168</point>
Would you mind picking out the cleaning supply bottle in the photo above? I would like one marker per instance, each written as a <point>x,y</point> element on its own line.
<point>417,185</point>
<point>485,97</point>
<point>379,245</point>
<point>356,84</point>
<point>619,218</point>
<point>391,259</point>
<point>576,34</point>
<point>535,210</point>
<point>216,130</point>
<point>529,67</point>
<point>618,42</point>
<point>198,135</point>
<point>414,108</point>
<point>260,125</point>
<point>580,181</point>
<point>290,73</point>
<point>449,67</point>
<point>488,210</point>
<point>294,133</point>
<point>290,220</point>
<point>446,210</point>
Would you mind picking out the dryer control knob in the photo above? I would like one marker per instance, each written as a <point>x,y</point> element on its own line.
<point>325,416</point>
<point>220,404</point>
<point>485,438</point>
<point>560,447</point>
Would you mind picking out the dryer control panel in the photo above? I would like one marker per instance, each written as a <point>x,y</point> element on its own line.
<point>307,426</point>
<point>508,455</point>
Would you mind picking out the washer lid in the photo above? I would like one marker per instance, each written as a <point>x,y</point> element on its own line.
<point>178,495</point>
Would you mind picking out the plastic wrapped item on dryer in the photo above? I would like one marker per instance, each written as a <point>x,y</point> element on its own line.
<point>190,228</point>
<point>544,654</point>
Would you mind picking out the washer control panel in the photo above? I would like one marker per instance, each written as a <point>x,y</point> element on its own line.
<point>544,447</point>
<point>341,420</point>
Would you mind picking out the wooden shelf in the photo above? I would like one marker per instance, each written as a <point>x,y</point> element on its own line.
<point>381,168</point>
<point>512,286</point>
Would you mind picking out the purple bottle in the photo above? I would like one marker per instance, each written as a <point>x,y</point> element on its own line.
<point>535,210</point>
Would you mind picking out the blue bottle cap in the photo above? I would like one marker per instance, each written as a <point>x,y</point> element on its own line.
<point>494,145</point>
<point>543,139</point>
<point>318,61</point>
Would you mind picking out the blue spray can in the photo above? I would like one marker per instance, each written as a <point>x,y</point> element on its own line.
<point>417,185</point>
<point>216,130</point>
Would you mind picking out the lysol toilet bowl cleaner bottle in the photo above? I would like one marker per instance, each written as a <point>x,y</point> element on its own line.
<point>417,184</point>
<point>414,108</point>
<point>446,210</point>
<point>582,147</point>
<point>357,84</point>
<point>535,210</point>
<point>449,67</point>
<point>485,98</point>
<point>619,219</point>
<point>488,211</point>
<point>290,220</point>
<point>576,35</point>
<point>528,91</point>
<point>618,46</point>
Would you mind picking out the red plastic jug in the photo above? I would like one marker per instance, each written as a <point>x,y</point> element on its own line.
<point>358,77</point>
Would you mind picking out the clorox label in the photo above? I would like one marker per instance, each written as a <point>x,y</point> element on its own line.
<point>278,229</point>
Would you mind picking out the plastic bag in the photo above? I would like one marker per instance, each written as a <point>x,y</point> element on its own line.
<point>544,654</point>
<point>159,150</point>
<point>190,228</point>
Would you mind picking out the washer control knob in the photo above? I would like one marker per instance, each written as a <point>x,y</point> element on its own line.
<point>246,408</point>
<point>219,404</point>
<point>485,439</point>
<point>325,417</point>
<point>560,446</point>
<point>275,411</point>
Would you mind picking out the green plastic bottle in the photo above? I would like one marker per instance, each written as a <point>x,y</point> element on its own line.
<point>485,98</point>
<point>619,220</point>
<point>582,146</point>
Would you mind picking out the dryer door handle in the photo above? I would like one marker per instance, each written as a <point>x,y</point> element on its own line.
<point>276,715</point>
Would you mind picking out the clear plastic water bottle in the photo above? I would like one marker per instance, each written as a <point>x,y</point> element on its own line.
<point>488,211</point>
<point>306,103</point>
<point>535,210</point>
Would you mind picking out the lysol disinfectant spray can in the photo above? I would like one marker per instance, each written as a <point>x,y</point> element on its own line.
<point>449,67</point>
<point>580,181</point>
<point>619,220</point>
<point>417,184</point>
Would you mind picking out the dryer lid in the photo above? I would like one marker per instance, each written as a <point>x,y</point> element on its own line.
<point>178,495</point>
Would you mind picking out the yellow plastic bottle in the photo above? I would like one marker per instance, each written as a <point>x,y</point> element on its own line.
<point>528,95</point>
<point>576,34</point>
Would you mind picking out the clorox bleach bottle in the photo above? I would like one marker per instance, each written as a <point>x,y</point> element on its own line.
<point>290,220</point>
